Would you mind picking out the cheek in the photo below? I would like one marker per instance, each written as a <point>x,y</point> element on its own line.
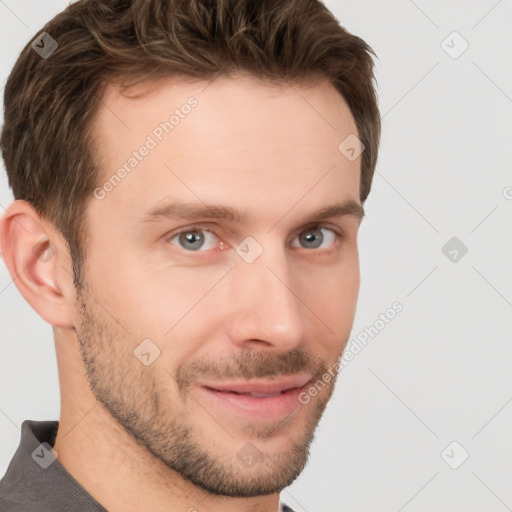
<point>332,293</point>
<point>142,305</point>
<point>162,301</point>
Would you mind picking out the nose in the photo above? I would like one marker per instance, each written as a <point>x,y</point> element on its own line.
<point>266,307</point>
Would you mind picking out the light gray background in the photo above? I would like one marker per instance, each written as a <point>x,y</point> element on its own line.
<point>441,370</point>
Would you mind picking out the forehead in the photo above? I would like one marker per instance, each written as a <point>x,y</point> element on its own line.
<point>237,139</point>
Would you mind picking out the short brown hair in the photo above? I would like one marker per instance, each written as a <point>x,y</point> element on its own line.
<point>50,103</point>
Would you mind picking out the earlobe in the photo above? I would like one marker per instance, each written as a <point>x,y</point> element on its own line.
<point>32,252</point>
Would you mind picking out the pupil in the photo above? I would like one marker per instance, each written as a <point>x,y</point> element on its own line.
<point>190,238</point>
<point>309,238</point>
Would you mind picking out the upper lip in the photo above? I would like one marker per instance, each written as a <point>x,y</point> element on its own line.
<point>260,386</point>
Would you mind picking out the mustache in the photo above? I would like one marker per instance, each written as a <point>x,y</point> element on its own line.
<point>249,364</point>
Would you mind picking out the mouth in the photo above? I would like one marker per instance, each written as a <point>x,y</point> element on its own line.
<point>257,399</point>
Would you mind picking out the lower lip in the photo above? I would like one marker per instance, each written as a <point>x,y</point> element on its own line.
<point>268,408</point>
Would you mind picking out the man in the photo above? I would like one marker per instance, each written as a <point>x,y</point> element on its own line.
<point>189,180</point>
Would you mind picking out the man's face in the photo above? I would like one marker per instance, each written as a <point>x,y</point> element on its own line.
<point>227,306</point>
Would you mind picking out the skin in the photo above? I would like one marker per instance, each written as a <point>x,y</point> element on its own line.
<point>140,437</point>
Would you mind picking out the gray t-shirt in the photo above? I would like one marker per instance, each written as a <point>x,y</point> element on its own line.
<point>36,481</point>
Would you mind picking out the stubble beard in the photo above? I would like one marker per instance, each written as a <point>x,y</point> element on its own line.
<point>131,394</point>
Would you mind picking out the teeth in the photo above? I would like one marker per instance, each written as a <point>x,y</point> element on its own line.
<point>257,395</point>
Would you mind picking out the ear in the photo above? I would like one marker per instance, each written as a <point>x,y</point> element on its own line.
<point>38,260</point>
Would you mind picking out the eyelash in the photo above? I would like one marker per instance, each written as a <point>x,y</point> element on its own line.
<point>337,232</point>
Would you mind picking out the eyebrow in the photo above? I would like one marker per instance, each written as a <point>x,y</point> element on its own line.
<point>194,211</point>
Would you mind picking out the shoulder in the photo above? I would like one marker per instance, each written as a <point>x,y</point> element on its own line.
<point>7,505</point>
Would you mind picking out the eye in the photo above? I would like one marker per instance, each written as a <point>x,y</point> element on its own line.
<point>313,237</point>
<point>194,239</point>
<point>201,239</point>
